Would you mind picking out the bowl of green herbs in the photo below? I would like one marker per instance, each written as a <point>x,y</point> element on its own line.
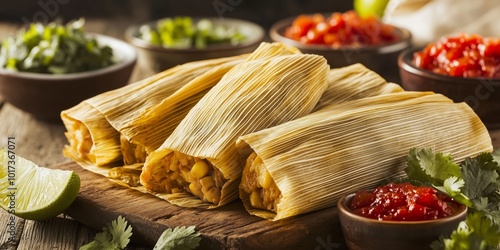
<point>171,41</point>
<point>45,69</point>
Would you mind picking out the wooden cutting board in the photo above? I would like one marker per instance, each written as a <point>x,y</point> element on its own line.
<point>230,227</point>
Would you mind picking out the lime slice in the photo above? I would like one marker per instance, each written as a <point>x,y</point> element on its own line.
<point>32,192</point>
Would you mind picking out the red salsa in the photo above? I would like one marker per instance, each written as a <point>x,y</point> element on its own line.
<point>470,56</point>
<point>403,202</point>
<point>340,29</point>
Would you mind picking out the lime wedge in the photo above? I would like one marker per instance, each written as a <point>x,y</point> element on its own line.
<point>367,8</point>
<point>32,192</point>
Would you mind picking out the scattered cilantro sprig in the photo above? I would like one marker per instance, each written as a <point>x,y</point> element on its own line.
<point>180,238</point>
<point>476,232</point>
<point>474,182</point>
<point>116,236</point>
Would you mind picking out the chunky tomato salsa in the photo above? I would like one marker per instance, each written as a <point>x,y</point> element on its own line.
<point>340,29</point>
<point>403,202</point>
<point>470,56</point>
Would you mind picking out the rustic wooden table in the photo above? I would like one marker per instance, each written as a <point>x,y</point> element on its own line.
<point>42,143</point>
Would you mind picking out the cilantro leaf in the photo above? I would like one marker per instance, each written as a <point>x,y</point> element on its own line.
<point>457,241</point>
<point>480,175</point>
<point>54,49</point>
<point>114,236</point>
<point>180,238</point>
<point>482,184</point>
<point>476,232</point>
<point>490,208</point>
<point>453,187</point>
<point>496,155</point>
<point>431,168</point>
<point>484,227</point>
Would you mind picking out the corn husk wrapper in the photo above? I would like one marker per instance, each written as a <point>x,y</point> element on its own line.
<point>154,125</point>
<point>103,116</point>
<point>342,148</point>
<point>143,132</point>
<point>252,96</point>
<point>92,139</point>
<point>82,149</point>
<point>354,82</point>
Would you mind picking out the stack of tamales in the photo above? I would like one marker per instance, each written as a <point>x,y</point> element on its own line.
<point>123,126</point>
<point>277,128</point>
<point>198,163</point>
<point>93,125</point>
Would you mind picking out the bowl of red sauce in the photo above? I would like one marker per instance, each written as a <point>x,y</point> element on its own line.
<point>398,216</point>
<point>346,38</point>
<point>466,68</point>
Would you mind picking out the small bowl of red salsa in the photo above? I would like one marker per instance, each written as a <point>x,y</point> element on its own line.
<point>398,216</point>
<point>344,39</point>
<point>465,68</point>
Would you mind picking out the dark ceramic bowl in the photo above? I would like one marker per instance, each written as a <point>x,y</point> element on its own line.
<point>381,58</point>
<point>158,58</point>
<point>364,233</point>
<point>482,95</point>
<point>46,95</point>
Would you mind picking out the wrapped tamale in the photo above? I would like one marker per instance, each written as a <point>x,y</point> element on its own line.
<point>309,163</point>
<point>78,121</point>
<point>93,125</point>
<point>149,130</point>
<point>146,127</point>
<point>198,166</point>
<point>144,133</point>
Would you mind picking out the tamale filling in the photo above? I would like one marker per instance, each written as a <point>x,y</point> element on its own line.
<point>259,184</point>
<point>129,174</point>
<point>80,141</point>
<point>132,153</point>
<point>181,173</point>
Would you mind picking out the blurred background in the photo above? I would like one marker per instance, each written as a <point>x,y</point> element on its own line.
<point>263,12</point>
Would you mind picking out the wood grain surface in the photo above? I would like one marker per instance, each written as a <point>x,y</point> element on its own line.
<point>229,227</point>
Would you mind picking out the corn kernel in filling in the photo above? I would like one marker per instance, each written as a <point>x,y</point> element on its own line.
<point>258,183</point>
<point>181,173</point>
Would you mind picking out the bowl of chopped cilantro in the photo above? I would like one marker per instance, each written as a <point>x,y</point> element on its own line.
<point>171,41</point>
<point>45,69</point>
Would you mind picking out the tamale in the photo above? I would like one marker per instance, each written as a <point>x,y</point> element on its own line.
<point>101,117</point>
<point>146,128</point>
<point>149,130</point>
<point>78,120</point>
<point>147,97</point>
<point>309,163</point>
<point>197,165</point>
